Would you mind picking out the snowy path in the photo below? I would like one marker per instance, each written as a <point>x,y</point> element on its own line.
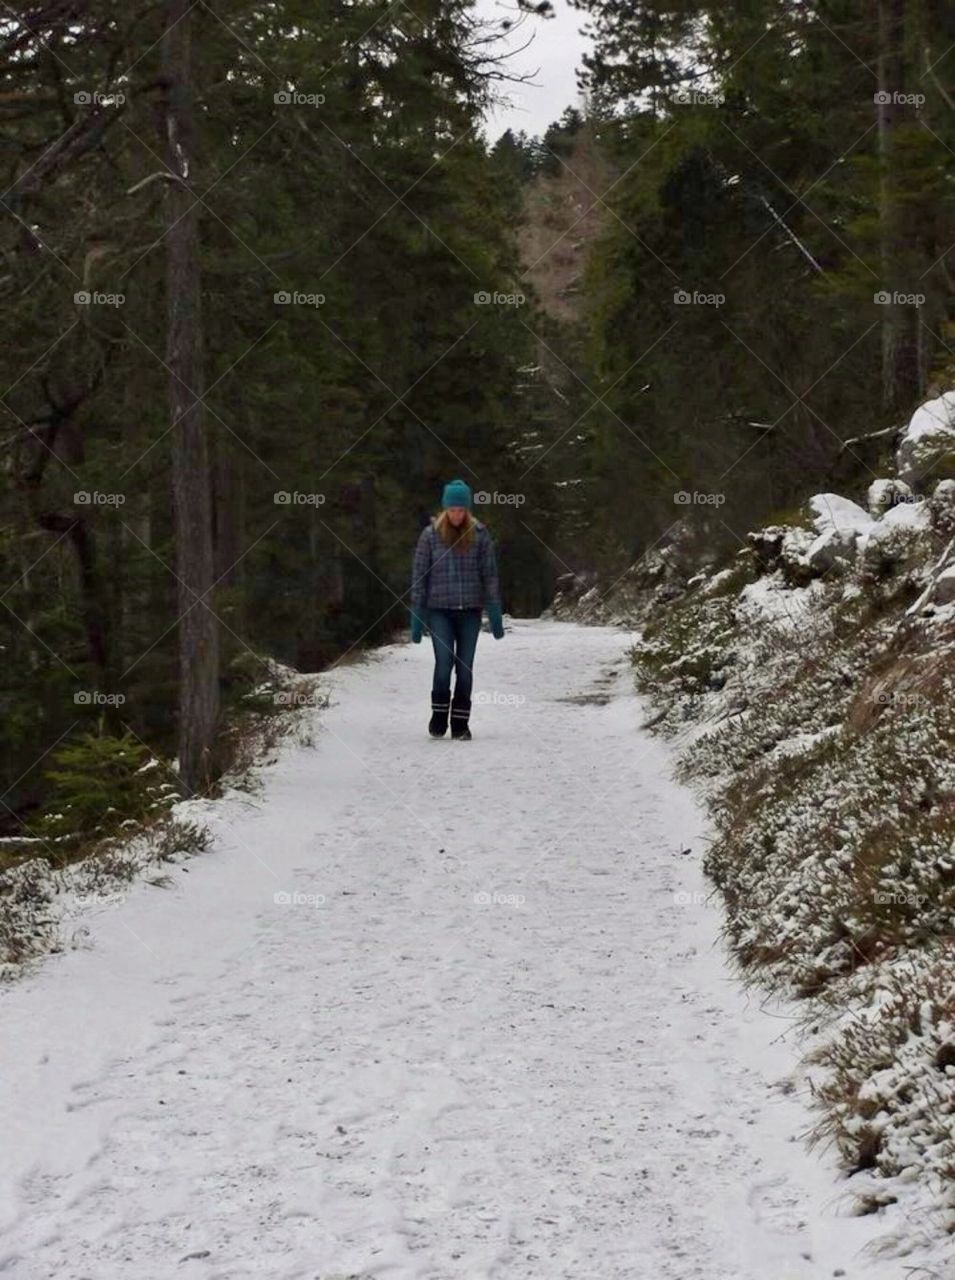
<point>501,1040</point>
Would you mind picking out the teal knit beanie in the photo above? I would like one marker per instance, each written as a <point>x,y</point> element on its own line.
<point>456,494</point>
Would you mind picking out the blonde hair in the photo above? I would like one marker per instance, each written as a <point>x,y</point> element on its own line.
<point>460,538</point>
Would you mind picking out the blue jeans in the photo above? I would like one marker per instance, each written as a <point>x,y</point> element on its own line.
<point>454,634</point>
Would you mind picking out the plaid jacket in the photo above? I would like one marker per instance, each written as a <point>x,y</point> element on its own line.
<point>443,578</point>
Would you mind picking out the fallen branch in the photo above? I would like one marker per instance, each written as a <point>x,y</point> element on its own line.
<point>915,609</point>
<point>161,173</point>
<point>871,435</point>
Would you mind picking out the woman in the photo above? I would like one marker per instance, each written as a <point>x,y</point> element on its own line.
<point>454,575</point>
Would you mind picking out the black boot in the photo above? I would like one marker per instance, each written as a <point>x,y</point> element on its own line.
<point>438,724</point>
<point>460,712</point>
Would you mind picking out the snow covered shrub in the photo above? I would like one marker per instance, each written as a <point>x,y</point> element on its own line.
<point>175,837</point>
<point>115,862</point>
<point>783,547</point>
<point>888,1094</point>
<point>26,893</point>
<point>793,680</point>
<point>731,580</point>
<point>102,784</point>
<point>832,854</point>
<point>686,646</point>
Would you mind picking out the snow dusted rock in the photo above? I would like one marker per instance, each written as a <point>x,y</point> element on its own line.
<point>929,435</point>
<point>901,536</point>
<point>833,511</point>
<point>839,524</point>
<point>832,549</point>
<point>884,494</point>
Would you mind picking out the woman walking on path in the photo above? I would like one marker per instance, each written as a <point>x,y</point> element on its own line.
<point>454,576</point>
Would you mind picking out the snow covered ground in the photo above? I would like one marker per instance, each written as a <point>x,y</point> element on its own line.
<point>426,1009</point>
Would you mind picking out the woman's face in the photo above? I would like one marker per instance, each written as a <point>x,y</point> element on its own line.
<point>456,515</point>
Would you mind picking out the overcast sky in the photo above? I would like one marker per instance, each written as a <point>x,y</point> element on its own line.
<point>554,54</point>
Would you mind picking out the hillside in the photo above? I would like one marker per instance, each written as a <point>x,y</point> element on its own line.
<point>564,210</point>
<point>808,682</point>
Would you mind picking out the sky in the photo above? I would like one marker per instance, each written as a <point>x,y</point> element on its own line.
<point>553,55</point>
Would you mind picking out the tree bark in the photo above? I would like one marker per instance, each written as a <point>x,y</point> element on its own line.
<point>191,481</point>
<point>900,375</point>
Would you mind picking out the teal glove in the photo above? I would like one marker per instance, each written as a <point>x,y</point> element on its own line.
<point>496,619</point>
<point>418,623</point>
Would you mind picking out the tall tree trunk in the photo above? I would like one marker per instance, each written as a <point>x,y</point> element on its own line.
<point>192,488</point>
<point>900,379</point>
<point>228,529</point>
